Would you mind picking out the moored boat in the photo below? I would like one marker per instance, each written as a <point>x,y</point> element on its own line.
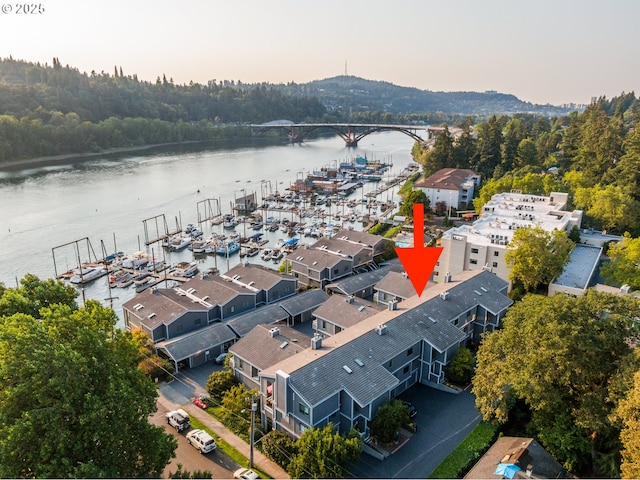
<point>84,275</point>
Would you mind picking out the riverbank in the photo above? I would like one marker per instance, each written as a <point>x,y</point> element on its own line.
<point>71,158</point>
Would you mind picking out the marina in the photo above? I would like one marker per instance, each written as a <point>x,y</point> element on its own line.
<point>137,202</point>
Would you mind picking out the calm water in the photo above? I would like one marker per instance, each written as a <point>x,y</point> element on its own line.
<point>106,199</point>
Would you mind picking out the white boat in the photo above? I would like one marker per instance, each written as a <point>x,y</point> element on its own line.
<point>267,254</point>
<point>179,242</point>
<point>136,260</point>
<point>277,255</point>
<point>186,269</point>
<point>87,274</point>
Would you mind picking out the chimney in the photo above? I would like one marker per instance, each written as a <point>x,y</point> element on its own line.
<point>393,304</point>
<point>316,342</point>
<point>274,332</point>
<point>444,295</point>
<point>529,471</point>
<point>447,277</point>
<point>349,299</point>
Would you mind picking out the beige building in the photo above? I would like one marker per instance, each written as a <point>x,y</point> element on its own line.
<point>453,186</point>
<point>483,243</point>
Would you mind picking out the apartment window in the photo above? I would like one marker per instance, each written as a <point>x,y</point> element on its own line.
<point>473,261</point>
<point>495,264</point>
<point>496,254</point>
<point>405,369</point>
<point>197,321</point>
<point>303,409</point>
<point>410,351</point>
<point>474,250</point>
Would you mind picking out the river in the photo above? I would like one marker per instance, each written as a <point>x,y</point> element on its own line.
<point>106,198</point>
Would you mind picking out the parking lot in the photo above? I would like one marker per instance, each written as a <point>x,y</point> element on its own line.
<point>444,420</point>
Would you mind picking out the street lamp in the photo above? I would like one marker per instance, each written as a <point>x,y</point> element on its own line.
<point>254,407</point>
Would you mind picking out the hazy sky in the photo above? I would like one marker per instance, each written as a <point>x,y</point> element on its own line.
<point>542,51</point>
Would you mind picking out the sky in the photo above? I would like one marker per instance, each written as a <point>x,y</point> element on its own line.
<point>542,51</point>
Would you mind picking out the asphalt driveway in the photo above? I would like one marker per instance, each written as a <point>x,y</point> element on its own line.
<point>444,420</point>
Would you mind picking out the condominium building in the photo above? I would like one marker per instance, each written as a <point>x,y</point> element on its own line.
<point>453,186</point>
<point>483,244</point>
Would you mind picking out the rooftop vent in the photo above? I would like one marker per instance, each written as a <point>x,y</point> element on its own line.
<point>361,308</point>
<point>381,329</point>
<point>274,332</point>
<point>444,295</point>
<point>393,304</point>
<point>347,369</point>
<point>316,342</point>
<point>284,344</point>
<point>359,362</point>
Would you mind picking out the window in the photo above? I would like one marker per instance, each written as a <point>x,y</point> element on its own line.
<point>474,250</point>
<point>303,409</point>
<point>405,369</point>
<point>410,351</point>
<point>496,254</point>
<point>495,264</point>
<point>473,261</point>
<point>456,322</point>
<point>197,321</point>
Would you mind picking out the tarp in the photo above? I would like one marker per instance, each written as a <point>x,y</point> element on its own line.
<point>507,469</point>
<point>255,236</point>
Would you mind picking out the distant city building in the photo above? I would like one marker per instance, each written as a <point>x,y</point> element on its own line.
<point>483,244</point>
<point>453,186</point>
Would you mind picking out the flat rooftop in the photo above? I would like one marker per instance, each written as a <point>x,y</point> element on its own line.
<point>507,212</point>
<point>579,270</point>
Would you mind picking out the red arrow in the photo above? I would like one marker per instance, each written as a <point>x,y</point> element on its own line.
<point>419,261</point>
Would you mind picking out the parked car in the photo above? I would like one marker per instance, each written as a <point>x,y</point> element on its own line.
<point>201,440</point>
<point>245,474</point>
<point>178,419</point>
<point>412,410</point>
<point>220,358</point>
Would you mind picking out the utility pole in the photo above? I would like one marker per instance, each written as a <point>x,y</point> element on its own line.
<point>254,407</point>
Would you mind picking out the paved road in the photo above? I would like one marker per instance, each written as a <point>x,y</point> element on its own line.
<point>216,462</point>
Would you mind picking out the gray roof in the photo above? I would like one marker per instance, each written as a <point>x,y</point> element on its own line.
<point>258,276</point>
<point>316,374</point>
<point>315,259</point>
<point>362,281</point>
<point>396,283</point>
<point>200,340</point>
<point>326,376</point>
<point>262,350</point>
<point>346,311</point>
<point>266,315</point>
<point>578,272</point>
<point>304,302</point>
<point>156,306</point>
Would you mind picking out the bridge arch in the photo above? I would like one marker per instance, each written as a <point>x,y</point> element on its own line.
<point>351,133</point>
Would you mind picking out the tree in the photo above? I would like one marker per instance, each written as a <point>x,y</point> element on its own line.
<point>220,382</point>
<point>279,447</point>
<point>414,196</point>
<point>560,355</point>
<point>623,266</point>
<point>462,366</point>
<point>628,411</point>
<point>536,256</point>
<point>324,453</point>
<point>74,403</point>
<point>388,419</point>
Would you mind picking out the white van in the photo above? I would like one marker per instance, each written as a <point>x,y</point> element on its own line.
<point>201,440</point>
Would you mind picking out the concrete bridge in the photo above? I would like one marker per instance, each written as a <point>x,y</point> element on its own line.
<point>351,133</point>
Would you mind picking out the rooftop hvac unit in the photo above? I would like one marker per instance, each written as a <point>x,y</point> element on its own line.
<point>381,329</point>
<point>274,332</point>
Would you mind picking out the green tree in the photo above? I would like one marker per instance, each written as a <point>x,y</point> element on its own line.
<point>74,403</point>
<point>388,419</point>
<point>441,155</point>
<point>461,368</point>
<point>628,412</point>
<point>489,147</point>
<point>623,266</point>
<point>536,256</point>
<point>279,447</point>
<point>324,453</point>
<point>237,403</point>
<point>180,473</point>
<point>559,355</point>
<point>413,197</point>
<point>220,382</point>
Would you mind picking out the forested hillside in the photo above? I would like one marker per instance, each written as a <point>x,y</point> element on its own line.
<point>55,109</point>
<point>593,155</point>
